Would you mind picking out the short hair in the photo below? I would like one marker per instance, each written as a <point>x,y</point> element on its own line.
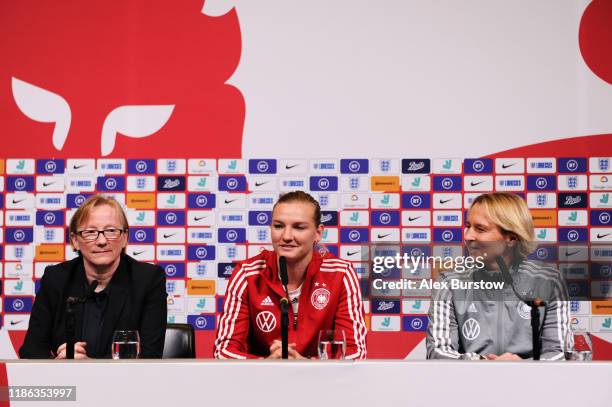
<point>511,214</point>
<point>301,196</point>
<point>85,209</point>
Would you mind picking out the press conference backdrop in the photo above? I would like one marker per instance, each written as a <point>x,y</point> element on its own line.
<point>424,105</point>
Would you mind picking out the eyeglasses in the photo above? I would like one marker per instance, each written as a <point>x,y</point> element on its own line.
<point>91,235</point>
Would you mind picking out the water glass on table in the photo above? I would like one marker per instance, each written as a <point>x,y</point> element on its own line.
<point>126,345</point>
<point>578,346</point>
<point>332,344</point>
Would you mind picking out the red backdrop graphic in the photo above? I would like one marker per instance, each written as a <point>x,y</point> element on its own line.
<point>596,38</point>
<point>100,55</point>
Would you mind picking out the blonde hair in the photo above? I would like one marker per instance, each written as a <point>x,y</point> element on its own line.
<point>511,214</point>
<point>85,209</point>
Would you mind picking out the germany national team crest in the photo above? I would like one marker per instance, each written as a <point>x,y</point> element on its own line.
<point>523,310</point>
<point>320,298</point>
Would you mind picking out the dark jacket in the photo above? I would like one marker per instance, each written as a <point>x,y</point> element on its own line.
<point>137,301</point>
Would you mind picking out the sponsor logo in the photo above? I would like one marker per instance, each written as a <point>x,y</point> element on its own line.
<point>505,166</point>
<point>266,301</point>
<point>266,321</point>
<point>385,305</point>
<point>414,166</point>
<point>470,329</point>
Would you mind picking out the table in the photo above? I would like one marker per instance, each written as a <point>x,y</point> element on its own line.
<point>315,383</point>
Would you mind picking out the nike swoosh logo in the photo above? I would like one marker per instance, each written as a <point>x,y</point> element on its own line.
<point>602,236</point>
<point>77,167</point>
<point>258,184</point>
<point>504,166</point>
<point>16,201</point>
<point>170,235</point>
<point>413,219</point>
<point>138,253</point>
<point>288,167</point>
<point>568,254</point>
<point>383,236</point>
<point>198,218</point>
<point>443,201</point>
<point>230,201</point>
<point>46,184</point>
<point>352,253</point>
<point>476,183</point>
<point>16,322</point>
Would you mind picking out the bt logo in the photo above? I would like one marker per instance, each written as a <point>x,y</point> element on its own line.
<point>478,166</point>
<point>354,166</point>
<point>201,253</point>
<point>50,166</point>
<point>262,166</point>
<point>541,182</point>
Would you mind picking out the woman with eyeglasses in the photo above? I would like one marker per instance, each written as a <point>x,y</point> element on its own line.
<point>109,290</point>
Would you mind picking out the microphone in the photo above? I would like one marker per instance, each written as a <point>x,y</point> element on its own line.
<point>534,303</point>
<point>284,302</point>
<point>70,317</point>
<point>282,264</point>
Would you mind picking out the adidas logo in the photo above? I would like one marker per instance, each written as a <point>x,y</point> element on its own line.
<point>267,301</point>
<point>472,308</point>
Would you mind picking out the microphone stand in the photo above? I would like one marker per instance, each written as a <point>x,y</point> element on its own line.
<point>535,305</point>
<point>70,322</point>
<point>284,303</point>
<point>71,319</point>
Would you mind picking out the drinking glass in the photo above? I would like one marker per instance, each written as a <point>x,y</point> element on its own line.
<point>126,345</point>
<point>332,344</point>
<point>578,346</point>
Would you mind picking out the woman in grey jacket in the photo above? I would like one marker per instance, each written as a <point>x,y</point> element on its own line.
<point>470,322</point>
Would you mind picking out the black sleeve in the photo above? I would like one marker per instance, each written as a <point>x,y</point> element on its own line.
<point>154,316</point>
<point>37,342</point>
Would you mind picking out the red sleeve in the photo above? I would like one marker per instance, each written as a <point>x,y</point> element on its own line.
<point>233,330</point>
<point>349,316</point>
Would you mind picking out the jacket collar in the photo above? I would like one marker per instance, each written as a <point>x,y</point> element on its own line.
<point>271,273</point>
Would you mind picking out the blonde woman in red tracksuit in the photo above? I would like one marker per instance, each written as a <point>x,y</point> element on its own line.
<point>323,290</point>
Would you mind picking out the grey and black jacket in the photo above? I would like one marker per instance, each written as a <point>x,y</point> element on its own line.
<point>469,323</point>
